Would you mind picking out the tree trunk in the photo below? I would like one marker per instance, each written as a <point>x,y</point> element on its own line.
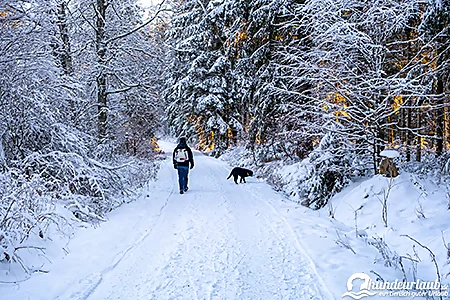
<point>408,133</point>
<point>381,139</point>
<point>440,117</point>
<point>374,157</point>
<point>419,134</point>
<point>65,49</point>
<point>101,77</point>
<point>2,152</point>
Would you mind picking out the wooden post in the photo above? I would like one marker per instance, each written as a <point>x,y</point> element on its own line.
<point>387,165</point>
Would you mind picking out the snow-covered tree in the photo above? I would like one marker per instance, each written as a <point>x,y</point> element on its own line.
<point>328,168</point>
<point>349,67</point>
<point>435,30</point>
<point>200,101</point>
<point>49,149</point>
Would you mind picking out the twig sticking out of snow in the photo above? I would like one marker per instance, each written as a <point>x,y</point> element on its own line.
<point>447,246</point>
<point>356,220</point>
<point>345,243</point>
<point>379,278</point>
<point>384,201</point>
<point>391,258</point>
<point>433,258</point>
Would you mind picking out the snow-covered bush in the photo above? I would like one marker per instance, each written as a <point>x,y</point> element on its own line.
<point>329,168</point>
<point>312,181</point>
<point>389,258</point>
<point>434,167</point>
<point>25,209</point>
<point>445,161</point>
<point>30,190</point>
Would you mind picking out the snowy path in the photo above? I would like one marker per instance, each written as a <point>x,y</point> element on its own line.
<point>217,241</point>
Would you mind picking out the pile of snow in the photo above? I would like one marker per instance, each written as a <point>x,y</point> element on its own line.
<point>389,153</point>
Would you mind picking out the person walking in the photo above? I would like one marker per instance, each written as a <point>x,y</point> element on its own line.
<point>182,161</point>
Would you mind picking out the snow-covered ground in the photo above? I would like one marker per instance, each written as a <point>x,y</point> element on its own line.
<point>218,241</point>
<point>226,241</point>
<point>356,239</point>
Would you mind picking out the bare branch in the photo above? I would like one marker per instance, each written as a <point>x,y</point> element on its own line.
<point>159,10</point>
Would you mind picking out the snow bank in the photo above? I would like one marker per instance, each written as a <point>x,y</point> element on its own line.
<point>343,245</point>
<point>415,207</point>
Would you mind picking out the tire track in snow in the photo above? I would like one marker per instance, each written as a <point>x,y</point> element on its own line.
<point>281,226</point>
<point>329,295</point>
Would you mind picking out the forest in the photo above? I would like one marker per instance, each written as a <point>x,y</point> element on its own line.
<point>87,87</point>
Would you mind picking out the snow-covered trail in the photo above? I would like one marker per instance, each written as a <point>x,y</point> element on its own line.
<point>218,241</point>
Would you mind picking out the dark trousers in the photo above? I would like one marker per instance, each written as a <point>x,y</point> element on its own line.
<point>183,172</point>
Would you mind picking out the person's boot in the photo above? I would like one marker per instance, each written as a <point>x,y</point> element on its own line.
<point>181,192</point>
<point>186,189</point>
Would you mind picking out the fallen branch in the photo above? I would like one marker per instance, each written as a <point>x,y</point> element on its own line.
<point>379,278</point>
<point>29,247</point>
<point>447,246</point>
<point>345,244</point>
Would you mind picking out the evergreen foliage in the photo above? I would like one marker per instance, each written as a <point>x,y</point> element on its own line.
<point>279,76</point>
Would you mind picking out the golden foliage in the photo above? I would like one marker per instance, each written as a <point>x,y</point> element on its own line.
<point>398,101</point>
<point>212,144</point>
<point>229,133</point>
<point>337,98</point>
<point>154,143</point>
<point>279,38</point>
<point>241,36</point>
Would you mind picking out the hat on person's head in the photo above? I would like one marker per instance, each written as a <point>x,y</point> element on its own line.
<point>182,140</point>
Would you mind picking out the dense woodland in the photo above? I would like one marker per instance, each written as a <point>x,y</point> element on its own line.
<point>334,82</point>
<point>86,86</point>
<point>281,74</point>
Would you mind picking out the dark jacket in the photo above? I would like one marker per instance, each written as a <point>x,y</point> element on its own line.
<point>190,156</point>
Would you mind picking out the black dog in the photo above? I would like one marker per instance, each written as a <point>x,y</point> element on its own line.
<point>241,172</point>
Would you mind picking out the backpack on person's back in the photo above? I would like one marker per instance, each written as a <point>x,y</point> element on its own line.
<point>181,155</point>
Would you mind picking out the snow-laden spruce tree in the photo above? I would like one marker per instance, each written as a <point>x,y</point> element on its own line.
<point>221,71</point>
<point>200,103</point>
<point>328,168</point>
<point>254,31</point>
